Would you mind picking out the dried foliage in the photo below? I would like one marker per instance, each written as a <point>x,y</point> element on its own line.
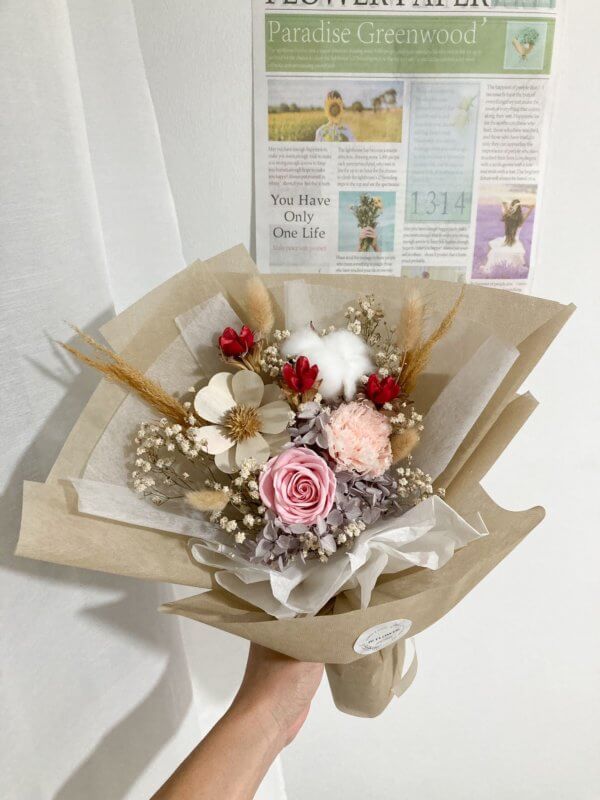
<point>207,500</point>
<point>410,328</point>
<point>416,360</point>
<point>259,307</point>
<point>403,443</point>
<point>119,371</point>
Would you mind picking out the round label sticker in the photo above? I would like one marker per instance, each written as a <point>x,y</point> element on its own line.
<point>381,636</point>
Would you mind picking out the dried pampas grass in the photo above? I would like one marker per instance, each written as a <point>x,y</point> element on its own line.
<point>418,358</point>
<point>117,370</point>
<point>403,443</point>
<point>259,307</point>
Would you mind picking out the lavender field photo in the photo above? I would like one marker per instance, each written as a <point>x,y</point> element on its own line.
<point>504,232</point>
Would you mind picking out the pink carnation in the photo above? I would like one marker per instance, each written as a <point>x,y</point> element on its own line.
<point>358,437</point>
<point>298,486</point>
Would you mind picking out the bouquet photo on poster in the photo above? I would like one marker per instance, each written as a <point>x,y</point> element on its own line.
<point>306,448</point>
<point>443,107</point>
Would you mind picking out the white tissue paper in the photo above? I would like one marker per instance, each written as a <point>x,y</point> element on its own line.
<point>426,536</point>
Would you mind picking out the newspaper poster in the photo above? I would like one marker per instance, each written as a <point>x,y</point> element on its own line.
<point>402,136</point>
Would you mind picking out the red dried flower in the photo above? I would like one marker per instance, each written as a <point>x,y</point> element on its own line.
<point>300,376</point>
<point>235,344</point>
<point>382,391</point>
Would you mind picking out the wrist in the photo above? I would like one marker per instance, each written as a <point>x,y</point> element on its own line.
<point>256,716</point>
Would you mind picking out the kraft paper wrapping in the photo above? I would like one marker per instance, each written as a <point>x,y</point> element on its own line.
<point>366,687</point>
<point>52,530</point>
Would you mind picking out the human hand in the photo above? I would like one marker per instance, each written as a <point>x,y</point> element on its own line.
<point>367,233</point>
<point>278,690</point>
<point>266,714</point>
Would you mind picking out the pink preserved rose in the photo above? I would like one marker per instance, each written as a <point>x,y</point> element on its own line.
<point>298,486</point>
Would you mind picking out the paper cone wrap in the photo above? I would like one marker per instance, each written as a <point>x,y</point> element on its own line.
<point>53,530</point>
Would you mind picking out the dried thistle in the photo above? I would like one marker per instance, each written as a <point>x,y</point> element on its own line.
<point>207,500</point>
<point>417,359</point>
<point>259,307</point>
<point>403,443</point>
<point>410,328</point>
<point>119,371</point>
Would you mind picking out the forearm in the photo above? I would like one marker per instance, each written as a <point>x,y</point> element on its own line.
<point>268,711</point>
<point>230,762</point>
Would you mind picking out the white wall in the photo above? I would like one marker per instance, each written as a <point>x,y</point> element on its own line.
<point>85,664</point>
<point>95,696</point>
<point>198,57</point>
<point>507,699</point>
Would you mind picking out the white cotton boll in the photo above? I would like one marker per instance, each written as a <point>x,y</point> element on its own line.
<point>342,358</point>
<point>353,355</point>
<point>302,343</point>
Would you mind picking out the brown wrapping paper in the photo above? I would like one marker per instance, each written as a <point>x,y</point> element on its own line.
<point>52,530</point>
<point>366,687</point>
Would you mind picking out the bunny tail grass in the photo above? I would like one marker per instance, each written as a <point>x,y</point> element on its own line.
<point>207,500</point>
<point>403,443</point>
<point>410,328</point>
<point>259,307</point>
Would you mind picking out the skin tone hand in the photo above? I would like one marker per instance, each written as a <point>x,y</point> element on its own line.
<point>265,716</point>
<point>369,233</point>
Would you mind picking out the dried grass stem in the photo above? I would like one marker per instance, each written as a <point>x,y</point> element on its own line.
<point>119,371</point>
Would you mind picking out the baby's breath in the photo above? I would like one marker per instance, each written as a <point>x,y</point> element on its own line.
<point>271,360</point>
<point>158,472</point>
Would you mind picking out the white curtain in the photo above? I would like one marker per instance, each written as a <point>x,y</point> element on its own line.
<point>100,696</point>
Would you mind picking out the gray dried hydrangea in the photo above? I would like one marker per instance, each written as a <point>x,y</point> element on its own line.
<point>358,504</point>
<point>366,499</point>
<point>309,429</point>
<point>278,543</point>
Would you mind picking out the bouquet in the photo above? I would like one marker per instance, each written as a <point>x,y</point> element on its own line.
<point>526,41</point>
<point>286,443</point>
<point>367,213</point>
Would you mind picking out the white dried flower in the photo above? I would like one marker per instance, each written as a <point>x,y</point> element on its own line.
<point>247,419</point>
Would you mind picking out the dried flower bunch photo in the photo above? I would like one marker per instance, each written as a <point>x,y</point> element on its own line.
<point>367,222</point>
